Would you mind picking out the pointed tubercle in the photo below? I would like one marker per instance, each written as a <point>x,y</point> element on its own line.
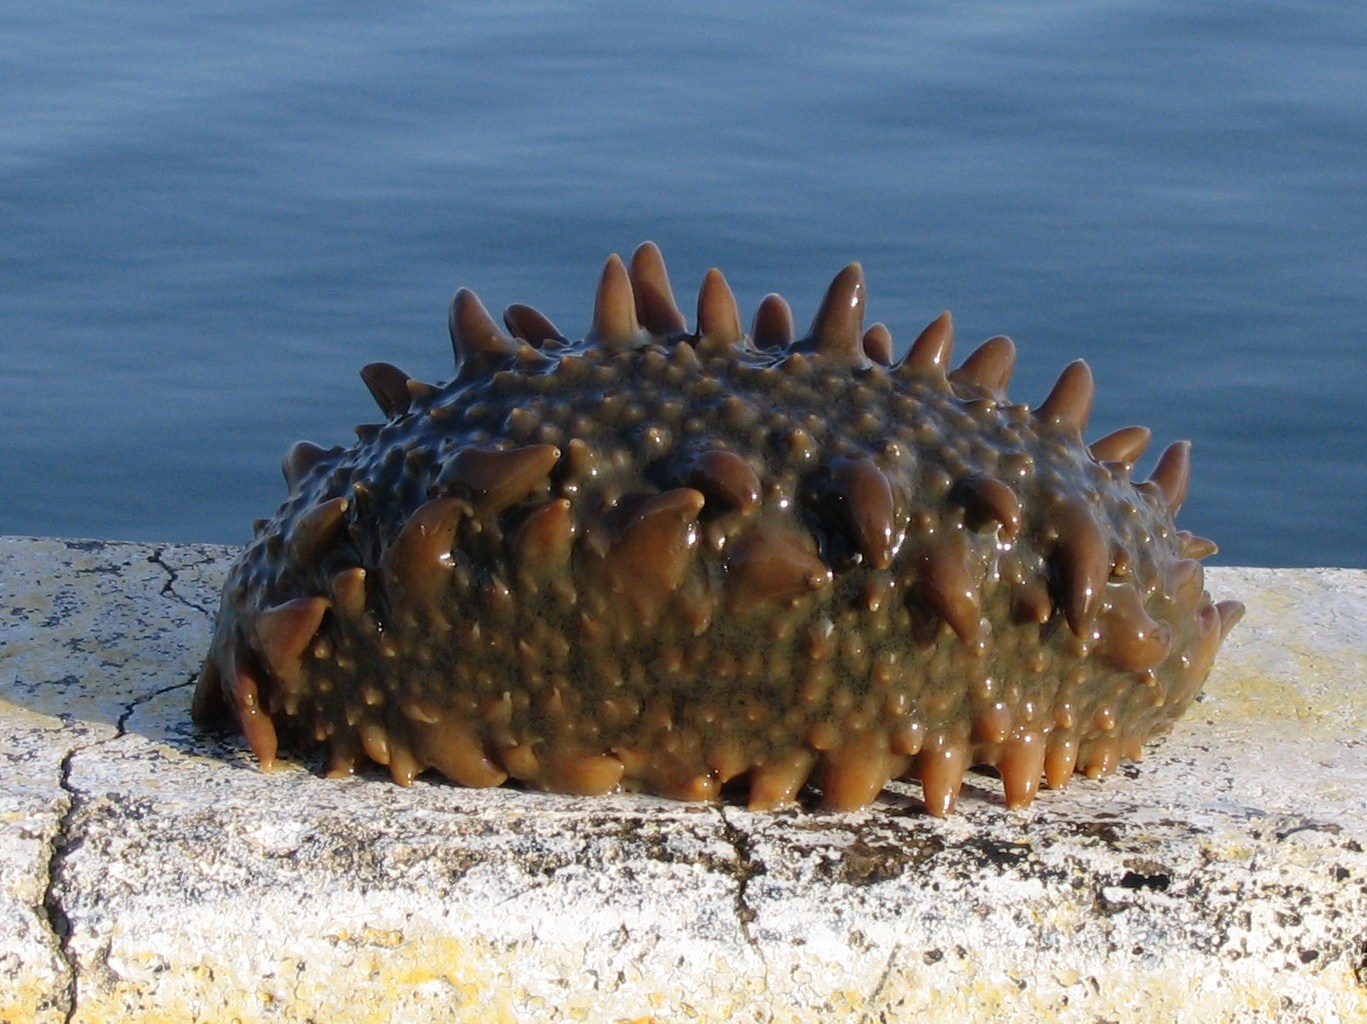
<point>1070,402</point>
<point>1172,475</point>
<point>614,309</point>
<point>531,325</point>
<point>656,309</point>
<point>718,315</point>
<point>773,323</point>
<point>930,353</point>
<point>838,327</point>
<point>388,385</point>
<point>989,367</point>
<point>476,340</point>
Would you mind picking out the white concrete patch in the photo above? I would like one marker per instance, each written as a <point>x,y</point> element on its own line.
<point>151,872</point>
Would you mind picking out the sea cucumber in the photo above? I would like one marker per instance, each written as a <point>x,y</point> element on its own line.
<point>678,561</point>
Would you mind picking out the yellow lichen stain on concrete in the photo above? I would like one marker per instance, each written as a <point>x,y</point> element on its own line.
<point>369,980</point>
<point>1287,665</point>
<point>912,993</point>
<point>388,938</point>
<point>17,716</point>
<point>376,975</point>
<point>31,1000</point>
<point>439,979</point>
<point>1293,697</point>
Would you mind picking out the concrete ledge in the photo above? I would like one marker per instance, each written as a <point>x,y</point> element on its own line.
<point>150,872</point>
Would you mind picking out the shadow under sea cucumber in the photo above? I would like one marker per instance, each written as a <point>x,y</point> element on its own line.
<point>668,560</point>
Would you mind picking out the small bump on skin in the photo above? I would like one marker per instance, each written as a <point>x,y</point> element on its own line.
<point>666,560</point>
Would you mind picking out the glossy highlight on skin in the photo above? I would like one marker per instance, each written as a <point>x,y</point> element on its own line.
<point>676,561</point>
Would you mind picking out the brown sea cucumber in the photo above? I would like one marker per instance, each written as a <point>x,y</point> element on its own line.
<point>666,560</point>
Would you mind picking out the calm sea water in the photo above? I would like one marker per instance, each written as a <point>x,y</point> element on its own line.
<point>212,214</point>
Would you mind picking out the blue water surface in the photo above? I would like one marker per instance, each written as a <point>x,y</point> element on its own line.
<point>212,215</point>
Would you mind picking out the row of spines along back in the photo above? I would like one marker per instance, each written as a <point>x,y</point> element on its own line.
<point>635,307</point>
<point>626,300</point>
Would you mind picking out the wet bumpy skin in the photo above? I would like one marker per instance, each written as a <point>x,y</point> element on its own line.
<point>666,560</point>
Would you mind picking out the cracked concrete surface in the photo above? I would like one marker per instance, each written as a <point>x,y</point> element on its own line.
<point>151,872</point>
<point>86,626</point>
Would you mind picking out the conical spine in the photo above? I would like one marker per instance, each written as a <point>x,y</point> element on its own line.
<point>989,367</point>
<point>614,309</point>
<point>1082,563</point>
<point>987,499</point>
<point>950,588</point>
<point>479,345</point>
<point>656,309</point>
<point>837,330</point>
<point>930,353</point>
<point>877,344</point>
<point>1070,402</point>
<point>388,385</point>
<point>725,478</point>
<point>1172,475</point>
<point>1124,445</point>
<point>870,509</point>
<point>530,325</point>
<point>543,542</point>
<point>773,323</point>
<point>316,531</point>
<point>301,457</point>
<point>418,562</point>
<point>719,326</point>
<point>499,478</point>
<point>768,565</point>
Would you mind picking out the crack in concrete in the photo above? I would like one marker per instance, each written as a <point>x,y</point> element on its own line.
<point>747,868</point>
<point>53,911</point>
<point>868,1017</point>
<point>132,706</point>
<point>168,589</point>
<point>63,843</point>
